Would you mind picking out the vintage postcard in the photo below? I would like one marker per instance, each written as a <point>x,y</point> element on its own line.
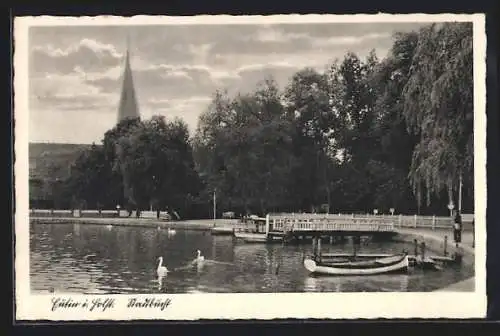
<point>250,167</point>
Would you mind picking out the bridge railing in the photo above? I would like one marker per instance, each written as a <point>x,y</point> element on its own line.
<point>425,222</point>
<point>302,221</point>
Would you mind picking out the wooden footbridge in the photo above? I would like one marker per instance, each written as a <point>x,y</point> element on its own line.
<point>312,225</point>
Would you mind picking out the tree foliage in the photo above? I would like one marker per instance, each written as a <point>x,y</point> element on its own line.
<point>243,147</point>
<point>438,107</point>
<point>363,134</point>
<point>141,164</point>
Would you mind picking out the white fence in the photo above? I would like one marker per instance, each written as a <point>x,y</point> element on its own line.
<point>324,222</point>
<point>398,221</point>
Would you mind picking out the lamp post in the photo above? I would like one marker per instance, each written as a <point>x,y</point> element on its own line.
<point>375,211</point>
<point>154,188</point>
<point>392,211</point>
<point>215,205</point>
<point>460,184</point>
<point>118,210</point>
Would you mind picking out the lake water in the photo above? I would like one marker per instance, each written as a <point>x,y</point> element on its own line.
<point>82,258</point>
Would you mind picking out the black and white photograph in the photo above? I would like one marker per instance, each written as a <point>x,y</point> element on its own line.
<point>174,160</point>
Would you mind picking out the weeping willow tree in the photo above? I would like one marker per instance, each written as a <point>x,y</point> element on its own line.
<point>438,108</point>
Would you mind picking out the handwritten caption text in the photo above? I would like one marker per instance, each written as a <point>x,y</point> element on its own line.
<point>103,304</point>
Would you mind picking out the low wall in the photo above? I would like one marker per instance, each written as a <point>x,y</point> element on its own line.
<point>93,213</point>
<point>202,224</point>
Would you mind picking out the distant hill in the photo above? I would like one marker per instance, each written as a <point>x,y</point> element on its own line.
<point>52,160</point>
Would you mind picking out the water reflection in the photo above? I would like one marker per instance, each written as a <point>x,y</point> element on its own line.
<point>383,283</point>
<point>93,259</point>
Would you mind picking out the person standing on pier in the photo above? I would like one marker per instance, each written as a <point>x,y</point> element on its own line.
<point>457,227</point>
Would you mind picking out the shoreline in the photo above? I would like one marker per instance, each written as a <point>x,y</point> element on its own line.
<point>194,224</point>
<point>434,241</point>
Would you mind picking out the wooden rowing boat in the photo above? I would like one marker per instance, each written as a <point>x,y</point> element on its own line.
<point>254,237</point>
<point>395,263</point>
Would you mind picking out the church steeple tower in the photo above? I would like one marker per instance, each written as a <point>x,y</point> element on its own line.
<point>128,107</point>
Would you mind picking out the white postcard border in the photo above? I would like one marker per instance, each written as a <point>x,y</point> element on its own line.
<point>248,306</point>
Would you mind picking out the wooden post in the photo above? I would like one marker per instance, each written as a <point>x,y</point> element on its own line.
<point>415,221</point>
<point>433,222</point>
<point>457,256</point>
<point>460,194</point>
<point>445,252</point>
<point>215,206</point>
<point>415,246</point>
<point>314,246</point>
<point>331,240</point>
<point>400,220</point>
<point>267,225</point>
<point>319,248</point>
<point>422,250</point>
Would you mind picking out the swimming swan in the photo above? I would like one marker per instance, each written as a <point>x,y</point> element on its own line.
<point>199,257</point>
<point>171,231</point>
<point>199,261</point>
<point>161,270</point>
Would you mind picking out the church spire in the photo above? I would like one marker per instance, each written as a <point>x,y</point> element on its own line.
<point>128,107</point>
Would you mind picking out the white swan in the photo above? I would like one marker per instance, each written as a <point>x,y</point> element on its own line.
<point>199,257</point>
<point>171,231</point>
<point>161,270</point>
<point>198,261</point>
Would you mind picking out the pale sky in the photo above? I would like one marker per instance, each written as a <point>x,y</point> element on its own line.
<point>75,71</point>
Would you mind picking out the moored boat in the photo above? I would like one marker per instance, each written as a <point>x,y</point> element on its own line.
<point>395,263</point>
<point>222,231</point>
<point>250,237</point>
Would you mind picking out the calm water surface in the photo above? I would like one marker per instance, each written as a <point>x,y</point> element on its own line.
<point>82,258</point>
